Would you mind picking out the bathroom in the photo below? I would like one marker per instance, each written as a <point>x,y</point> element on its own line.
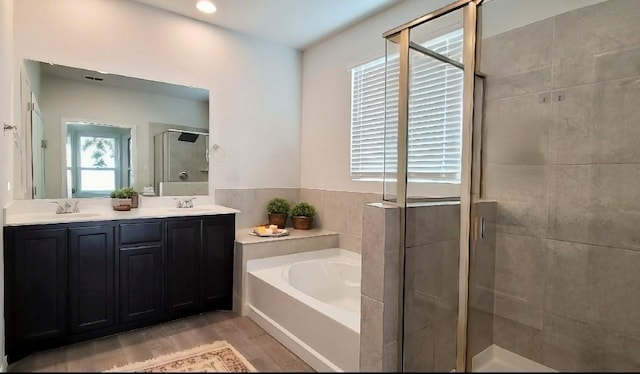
<point>558,161</point>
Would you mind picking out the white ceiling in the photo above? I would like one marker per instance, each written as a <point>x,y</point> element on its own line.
<point>295,23</point>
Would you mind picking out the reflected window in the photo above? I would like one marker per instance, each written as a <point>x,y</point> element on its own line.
<point>98,159</point>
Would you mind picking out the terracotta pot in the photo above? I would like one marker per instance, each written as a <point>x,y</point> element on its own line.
<point>301,222</point>
<point>279,219</point>
<point>121,204</point>
<point>134,201</point>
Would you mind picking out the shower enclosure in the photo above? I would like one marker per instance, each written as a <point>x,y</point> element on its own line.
<point>511,135</point>
<point>180,157</point>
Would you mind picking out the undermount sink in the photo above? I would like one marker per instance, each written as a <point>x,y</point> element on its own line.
<point>61,215</point>
<point>200,209</point>
<point>78,215</point>
<point>42,217</point>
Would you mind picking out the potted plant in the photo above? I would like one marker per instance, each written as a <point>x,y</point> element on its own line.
<point>132,194</point>
<point>124,198</point>
<point>302,215</point>
<point>278,210</point>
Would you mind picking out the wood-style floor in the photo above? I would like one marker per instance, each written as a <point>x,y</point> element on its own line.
<point>264,352</point>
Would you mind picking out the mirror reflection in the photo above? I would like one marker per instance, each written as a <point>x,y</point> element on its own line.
<point>90,132</point>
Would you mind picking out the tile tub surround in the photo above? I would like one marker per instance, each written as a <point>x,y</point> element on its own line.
<point>338,211</point>
<point>250,247</point>
<point>28,212</point>
<point>341,212</point>
<point>252,202</point>
<point>563,171</point>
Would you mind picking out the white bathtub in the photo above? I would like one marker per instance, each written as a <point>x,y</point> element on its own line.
<point>310,302</point>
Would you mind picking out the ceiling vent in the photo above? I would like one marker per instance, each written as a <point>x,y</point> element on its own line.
<point>91,78</point>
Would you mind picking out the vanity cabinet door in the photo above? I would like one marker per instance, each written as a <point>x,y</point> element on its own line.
<point>184,257</point>
<point>36,270</point>
<point>140,283</point>
<point>91,278</point>
<point>217,261</point>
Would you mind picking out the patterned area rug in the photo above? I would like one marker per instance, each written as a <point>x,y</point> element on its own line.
<point>217,357</point>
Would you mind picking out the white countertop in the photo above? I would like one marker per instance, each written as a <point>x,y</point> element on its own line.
<point>23,212</point>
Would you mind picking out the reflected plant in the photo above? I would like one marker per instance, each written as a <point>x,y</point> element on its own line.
<point>103,147</point>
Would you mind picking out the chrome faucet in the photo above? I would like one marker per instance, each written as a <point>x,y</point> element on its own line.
<point>187,202</point>
<point>65,207</point>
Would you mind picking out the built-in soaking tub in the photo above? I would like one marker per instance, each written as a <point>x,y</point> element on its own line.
<point>310,302</point>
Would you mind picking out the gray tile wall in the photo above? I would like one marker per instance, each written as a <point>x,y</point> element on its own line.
<point>342,212</point>
<point>338,211</point>
<point>561,157</point>
<point>482,264</point>
<point>432,249</point>
<point>380,285</point>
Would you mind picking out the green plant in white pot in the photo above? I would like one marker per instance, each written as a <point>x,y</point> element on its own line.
<point>302,215</point>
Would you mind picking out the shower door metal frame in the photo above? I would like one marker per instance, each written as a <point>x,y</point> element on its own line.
<point>400,35</point>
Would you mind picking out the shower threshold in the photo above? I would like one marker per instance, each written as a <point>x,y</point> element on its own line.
<point>498,359</point>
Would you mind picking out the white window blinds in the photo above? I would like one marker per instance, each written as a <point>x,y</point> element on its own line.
<point>435,115</point>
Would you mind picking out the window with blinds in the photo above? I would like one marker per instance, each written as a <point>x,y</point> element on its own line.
<point>435,115</point>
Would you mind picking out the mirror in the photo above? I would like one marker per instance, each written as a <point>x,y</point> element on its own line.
<point>88,133</point>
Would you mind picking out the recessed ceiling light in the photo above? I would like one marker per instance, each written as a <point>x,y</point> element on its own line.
<point>205,6</point>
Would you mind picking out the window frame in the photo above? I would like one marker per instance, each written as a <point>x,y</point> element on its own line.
<point>450,178</point>
<point>121,169</point>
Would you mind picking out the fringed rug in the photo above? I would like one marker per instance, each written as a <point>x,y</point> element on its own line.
<point>217,357</point>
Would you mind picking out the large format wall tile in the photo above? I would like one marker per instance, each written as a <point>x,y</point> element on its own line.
<point>567,266</point>
<point>432,223</point>
<point>520,268</point>
<point>521,194</point>
<point>613,289</point>
<point>341,212</point>
<point>529,82</point>
<point>252,203</point>
<point>419,351</point>
<point>371,334</point>
<point>518,338</point>
<point>516,130</point>
<point>595,204</point>
<point>513,308</point>
<point>570,345</point>
<point>520,50</point>
<point>597,123</point>
<point>593,43</point>
<point>432,270</point>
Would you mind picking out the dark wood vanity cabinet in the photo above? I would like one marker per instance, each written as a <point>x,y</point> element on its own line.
<point>140,272</point>
<point>184,262</point>
<point>217,262</point>
<point>66,283</point>
<point>91,278</point>
<point>199,264</point>
<point>35,285</point>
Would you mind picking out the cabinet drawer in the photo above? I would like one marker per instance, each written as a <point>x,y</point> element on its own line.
<point>131,233</point>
